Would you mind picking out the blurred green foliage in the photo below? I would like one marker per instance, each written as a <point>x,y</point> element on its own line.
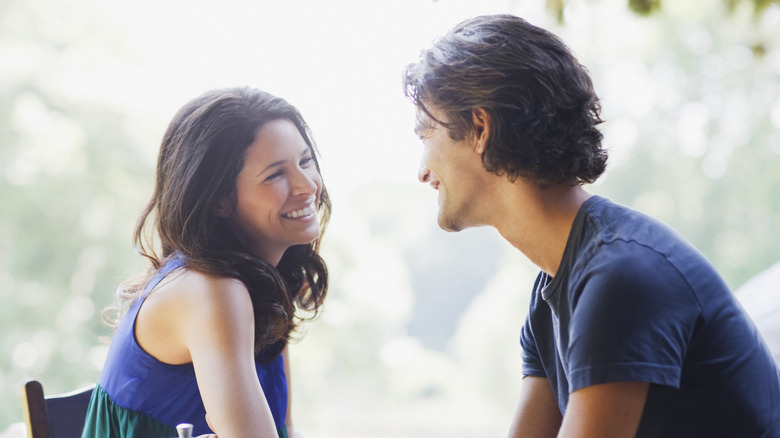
<point>692,117</point>
<point>648,7</point>
<point>644,7</point>
<point>696,133</point>
<point>69,181</point>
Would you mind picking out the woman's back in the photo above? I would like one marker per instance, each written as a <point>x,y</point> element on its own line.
<point>141,392</point>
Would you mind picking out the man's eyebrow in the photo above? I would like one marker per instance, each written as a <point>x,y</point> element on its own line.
<point>421,126</point>
<point>419,129</point>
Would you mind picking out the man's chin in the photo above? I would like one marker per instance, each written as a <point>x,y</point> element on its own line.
<point>449,225</point>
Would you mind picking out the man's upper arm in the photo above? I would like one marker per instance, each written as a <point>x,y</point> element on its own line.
<point>610,410</point>
<point>537,412</point>
<point>632,320</point>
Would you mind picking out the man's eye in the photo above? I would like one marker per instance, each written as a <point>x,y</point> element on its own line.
<point>422,132</point>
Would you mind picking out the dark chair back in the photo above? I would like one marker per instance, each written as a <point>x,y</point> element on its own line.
<point>57,416</point>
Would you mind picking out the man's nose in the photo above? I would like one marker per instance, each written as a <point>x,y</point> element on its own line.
<point>423,173</point>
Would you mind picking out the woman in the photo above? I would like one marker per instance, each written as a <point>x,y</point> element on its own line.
<point>238,212</point>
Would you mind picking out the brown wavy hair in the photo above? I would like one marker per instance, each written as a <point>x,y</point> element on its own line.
<point>202,152</point>
<point>540,98</point>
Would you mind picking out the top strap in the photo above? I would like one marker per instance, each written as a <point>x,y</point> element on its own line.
<point>163,272</point>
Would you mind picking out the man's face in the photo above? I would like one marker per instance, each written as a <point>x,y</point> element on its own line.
<point>454,168</point>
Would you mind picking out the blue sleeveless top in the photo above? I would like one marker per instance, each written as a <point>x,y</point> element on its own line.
<point>139,396</point>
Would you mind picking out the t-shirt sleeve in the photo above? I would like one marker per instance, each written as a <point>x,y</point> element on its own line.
<point>633,317</point>
<point>532,362</point>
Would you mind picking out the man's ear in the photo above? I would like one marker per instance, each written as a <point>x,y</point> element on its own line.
<point>482,124</point>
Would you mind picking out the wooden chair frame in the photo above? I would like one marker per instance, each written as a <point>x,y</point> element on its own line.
<point>57,416</point>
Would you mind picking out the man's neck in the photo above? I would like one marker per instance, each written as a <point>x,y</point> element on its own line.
<point>537,221</point>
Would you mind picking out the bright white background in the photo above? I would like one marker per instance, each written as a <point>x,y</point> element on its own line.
<point>419,336</point>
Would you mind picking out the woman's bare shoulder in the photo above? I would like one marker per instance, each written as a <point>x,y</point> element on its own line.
<point>187,303</point>
<point>190,288</point>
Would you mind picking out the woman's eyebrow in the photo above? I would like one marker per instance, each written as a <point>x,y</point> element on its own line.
<point>278,163</point>
<point>270,166</point>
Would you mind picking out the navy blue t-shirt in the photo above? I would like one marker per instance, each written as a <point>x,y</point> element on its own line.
<point>633,301</point>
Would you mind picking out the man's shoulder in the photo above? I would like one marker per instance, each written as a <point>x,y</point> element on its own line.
<point>609,216</point>
<point>606,222</point>
<point>618,240</point>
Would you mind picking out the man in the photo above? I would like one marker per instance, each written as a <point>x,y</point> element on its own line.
<point>630,332</point>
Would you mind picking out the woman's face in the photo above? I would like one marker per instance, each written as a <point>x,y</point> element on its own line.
<point>278,192</point>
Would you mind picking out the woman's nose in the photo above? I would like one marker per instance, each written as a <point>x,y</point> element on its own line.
<point>306,183</point>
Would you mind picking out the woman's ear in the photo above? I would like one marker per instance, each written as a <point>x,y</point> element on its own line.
<point>225,207</point>
<point>482,124</point>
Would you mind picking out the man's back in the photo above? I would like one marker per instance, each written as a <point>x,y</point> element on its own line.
<point>632,301</point>
<point>508,119</point>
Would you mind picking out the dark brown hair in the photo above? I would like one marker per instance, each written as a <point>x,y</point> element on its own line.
<point>201,155</point>
<point>540,99</point>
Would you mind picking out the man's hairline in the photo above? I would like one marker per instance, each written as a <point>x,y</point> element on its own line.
<point>424,115</point>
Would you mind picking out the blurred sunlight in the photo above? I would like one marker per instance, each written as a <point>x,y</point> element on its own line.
<point>419,336</point>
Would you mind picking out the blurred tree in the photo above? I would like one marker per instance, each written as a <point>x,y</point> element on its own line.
<point>693,122</point>
<point>649,7</point>
<point>759,6</point>
<point>644,7</point>
<point>695,132</point>
<point>70,189</point>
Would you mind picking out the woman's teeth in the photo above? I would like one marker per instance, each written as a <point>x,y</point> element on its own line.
<point>299,213</point>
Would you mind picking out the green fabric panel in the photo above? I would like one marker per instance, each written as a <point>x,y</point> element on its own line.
<point>107,420</point>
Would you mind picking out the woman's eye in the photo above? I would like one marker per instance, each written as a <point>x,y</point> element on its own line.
<point>274,175</point>
<point>306,161</point>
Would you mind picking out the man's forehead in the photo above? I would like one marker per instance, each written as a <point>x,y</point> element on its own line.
<point>429,117</point>
<point>423,120</point>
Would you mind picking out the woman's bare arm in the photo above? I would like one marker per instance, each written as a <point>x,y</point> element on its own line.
<point>217,328</point>
<point>288,421</point>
